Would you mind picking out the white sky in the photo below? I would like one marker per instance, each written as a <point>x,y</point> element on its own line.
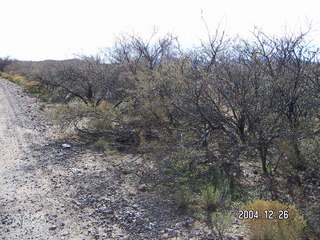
<point>58,29</point>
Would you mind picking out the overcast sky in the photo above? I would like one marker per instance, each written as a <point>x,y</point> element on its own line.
<point>58,29</point>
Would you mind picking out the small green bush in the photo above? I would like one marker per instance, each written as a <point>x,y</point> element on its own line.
<point>42,107</point>
<point>211,197</point>
<point>100,145</point>
<point>183,197</point>
<point>220,222</point>
<point>17,79</point>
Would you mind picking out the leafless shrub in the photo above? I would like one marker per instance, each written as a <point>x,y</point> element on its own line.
<point>4,62</point>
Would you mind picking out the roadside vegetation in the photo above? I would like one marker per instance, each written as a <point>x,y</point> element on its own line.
<point>224,124</point>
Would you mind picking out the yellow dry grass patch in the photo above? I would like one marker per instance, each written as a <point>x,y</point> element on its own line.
<point>275,221</point>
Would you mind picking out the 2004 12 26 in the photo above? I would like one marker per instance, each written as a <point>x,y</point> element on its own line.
<point>266,214</point>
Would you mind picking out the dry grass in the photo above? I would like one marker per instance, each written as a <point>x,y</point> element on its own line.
<point>274,229</point>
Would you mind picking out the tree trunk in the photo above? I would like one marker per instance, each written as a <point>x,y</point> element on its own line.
<point>263,150</point>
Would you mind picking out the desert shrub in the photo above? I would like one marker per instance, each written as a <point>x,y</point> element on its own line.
<point>20,80</point>
<point>42,107</point>
<point>5,75</point>
<point>220,222</point>
<point>274,229</point>
<point>183,197</point>
<point>37,89</point>
<point>211,197</point>
<point>72,115</point>
<point>100,145</point>
<point>310,148</point>
<point>14,78</point>
<point>215,197</point>
<point>4,62</point>
<point>34,87</point>
<point>100,125</point>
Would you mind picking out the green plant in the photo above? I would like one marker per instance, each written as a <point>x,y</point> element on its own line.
<point>220,222</point>
<point>42,107</point>
<point>183,197</point>
<point>285,222</point>
<point>20,80</point>
<point>211,197</point>
<point>100,145</point>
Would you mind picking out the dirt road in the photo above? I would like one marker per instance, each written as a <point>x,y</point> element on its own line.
<point>22,194</point>
<point>26,198</point>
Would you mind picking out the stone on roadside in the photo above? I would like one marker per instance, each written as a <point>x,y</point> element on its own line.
<point>140,221</point>
<point>173,233</point>
<point>64,145</point>
<point>142,187</point>
<point>53,228</point>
